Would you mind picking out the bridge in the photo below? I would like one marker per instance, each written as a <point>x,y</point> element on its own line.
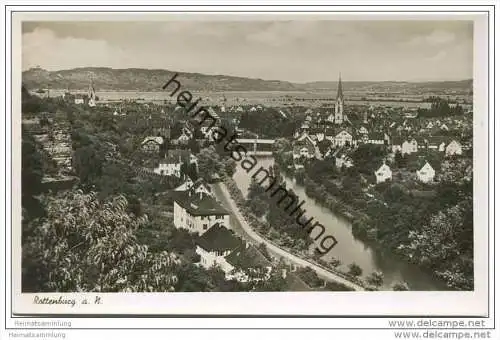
<point>256,146</point>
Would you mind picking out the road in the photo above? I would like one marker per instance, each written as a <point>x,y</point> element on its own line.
<point>240,226</point>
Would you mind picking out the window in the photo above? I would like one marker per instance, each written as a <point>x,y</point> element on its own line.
<point>205,226</point>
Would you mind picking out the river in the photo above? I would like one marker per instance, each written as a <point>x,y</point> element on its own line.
<point>349,249</point>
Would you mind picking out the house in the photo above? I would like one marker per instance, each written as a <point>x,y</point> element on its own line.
<point>363,130</point>
<point>397,143</point>
<point>185,155</point>
<point>319,136</point>
<point>453,148</point>
<point>376,138</point>
<point>330,118</point>
<point>184,137</point>
<point>343,161</point>
<point>304,146</point>
<point>305,126</point>
<point>409,146</point>
<point>214,245</point>
<point>199,186</point>
<point>246,263</point>
<point>426,173</point>
<point>152,144</point>
<point>197,212</point>
<point>188,184</point>
<point>79,99</point>
<point>169,166</point>
<point>383,173</point>
<point>342,138</point>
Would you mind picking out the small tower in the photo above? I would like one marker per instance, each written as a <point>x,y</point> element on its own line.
<point>339,104</point>
<point>91,93</point>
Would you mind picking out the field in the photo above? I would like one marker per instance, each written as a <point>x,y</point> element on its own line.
<point>270,98</point>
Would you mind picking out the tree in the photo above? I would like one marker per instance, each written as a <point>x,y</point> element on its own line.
<point>334,262</point>
<point>263,249</point>
<point>445,245</point>
<point>376,279</point>
<point>31,174</point>
<point>87,245</point>
<point>400,160</point>
<point>400,286</point>
<point>209,163</point>
<point>194,146</point>
<point>367,158</point>
<point>355,270</point>
<point>88,162</point>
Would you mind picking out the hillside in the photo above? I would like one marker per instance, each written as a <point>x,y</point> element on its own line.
<point>134,79</point>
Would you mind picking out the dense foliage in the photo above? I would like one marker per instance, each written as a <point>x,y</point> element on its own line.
<point>84,244</point>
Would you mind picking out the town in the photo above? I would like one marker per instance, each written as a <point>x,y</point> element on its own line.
<point>135,183</point>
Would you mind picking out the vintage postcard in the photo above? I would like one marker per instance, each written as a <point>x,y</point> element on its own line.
<point>277,164</point>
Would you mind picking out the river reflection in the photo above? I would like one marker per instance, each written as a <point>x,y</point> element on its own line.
<point>349,249</point>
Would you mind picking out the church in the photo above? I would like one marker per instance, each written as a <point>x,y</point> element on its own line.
<point>340,116</point>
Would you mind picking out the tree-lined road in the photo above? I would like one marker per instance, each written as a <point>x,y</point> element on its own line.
<point>240,226</point>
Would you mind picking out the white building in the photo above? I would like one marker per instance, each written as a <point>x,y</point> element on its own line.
<point>383,173</point>
<point>238,260</point>
<point>184,137</point>
<point>214,245</point>
<point>454,148</point>
<point>152,143</point>
<point>363,130</point>
<point>343,161</point>
<point>197,212</point>
<point>246,263</point>
<point>426,173</point>
<point>304,146</point>
<point>410,146</point>
<point>169,167</point>
<point>376,138</point>
<point>342,138</point>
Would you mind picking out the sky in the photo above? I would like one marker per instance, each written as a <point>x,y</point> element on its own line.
<point>293,50</point>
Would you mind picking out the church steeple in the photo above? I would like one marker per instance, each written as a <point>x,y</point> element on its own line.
<point>339,104</point>
<point>340,94</point>
<point>91,94</point>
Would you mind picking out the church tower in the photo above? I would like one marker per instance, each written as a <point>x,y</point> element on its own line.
<point>91,94</point>
<point>339,104</point>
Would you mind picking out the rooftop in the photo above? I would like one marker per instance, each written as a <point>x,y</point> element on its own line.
<point>198,204</point>
<point>219,238</point>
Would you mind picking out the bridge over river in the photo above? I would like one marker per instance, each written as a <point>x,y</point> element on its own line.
<point>257,146</point>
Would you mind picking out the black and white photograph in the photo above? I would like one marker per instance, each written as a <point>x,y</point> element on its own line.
<point>317,154</point>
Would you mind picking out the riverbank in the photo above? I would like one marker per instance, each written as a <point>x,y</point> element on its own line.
<point>361,223</point>
<point>323,198</point>
<point>228,188</point>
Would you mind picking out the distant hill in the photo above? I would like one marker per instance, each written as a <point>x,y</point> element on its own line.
<point>135,79</point>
